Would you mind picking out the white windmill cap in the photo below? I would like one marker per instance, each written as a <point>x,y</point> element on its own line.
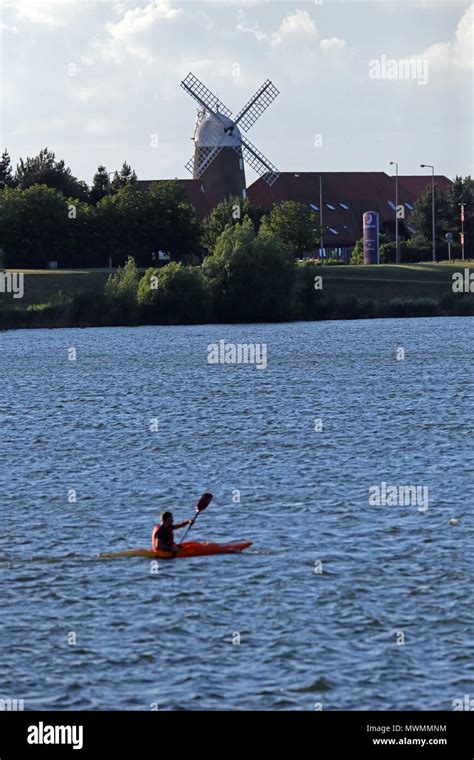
<point>210,132</point>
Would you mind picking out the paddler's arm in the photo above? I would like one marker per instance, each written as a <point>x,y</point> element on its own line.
<point>182,525</point>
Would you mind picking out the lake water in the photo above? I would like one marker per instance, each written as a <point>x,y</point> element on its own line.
<point>339,604</point>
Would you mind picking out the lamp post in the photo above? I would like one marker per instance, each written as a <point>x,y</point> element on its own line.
<point>429,166</point>
<point>321,241</point>
<point>462,228</point>
<point>397,250</point>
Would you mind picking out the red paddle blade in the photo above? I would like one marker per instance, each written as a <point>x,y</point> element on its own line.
<point>203,502</point>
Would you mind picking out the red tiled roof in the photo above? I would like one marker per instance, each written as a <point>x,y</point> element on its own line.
<point>360,191</point>
<point>418,184</point>
<point>363,187</point>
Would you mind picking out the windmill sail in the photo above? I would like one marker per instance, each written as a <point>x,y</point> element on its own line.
<point>259,162</point>
<point>264,97</point>
<point>203,96</point>
<point>207,154</point>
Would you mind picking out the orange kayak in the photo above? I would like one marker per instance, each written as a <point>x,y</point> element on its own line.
<point>188,549</point>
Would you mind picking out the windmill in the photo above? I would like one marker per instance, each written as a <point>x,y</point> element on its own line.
<point>219,148</point>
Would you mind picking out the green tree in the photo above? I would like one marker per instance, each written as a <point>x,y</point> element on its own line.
<point>229,212</point>
<point>296,225</point>
<point>43,169</point>
<point>388,253</point>
<point>6,172</point>
<point>462,191</point>
<point>39,224</point>
<point>357,256</point>
<point>174,294</point>
<point>251,276</point>
<point>121,292</point>
<point>126,176</point>
<point>177,229</point>
<point>132,222</point>
<point>421,217</point>
<point>100,185</point>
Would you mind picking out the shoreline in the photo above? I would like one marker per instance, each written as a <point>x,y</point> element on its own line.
<point>334,318</point>
<point>61,299</point>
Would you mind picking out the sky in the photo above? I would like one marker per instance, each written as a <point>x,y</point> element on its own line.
<point>98,82</point>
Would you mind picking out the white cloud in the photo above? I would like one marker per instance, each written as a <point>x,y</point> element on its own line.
<point>43,125</point>
<point>218,68</point>
<point>334,43</point>
<point>459,52</point>
<point>8,29</point>
<point>295,27</point>
<point>129,35</point>
<point>438,55</point>
<point>242,27</point>
<point>52,13</point>
<point>85,94</point>
<point>112,109</point>
<point>97,127</point>
<point>463,53</point>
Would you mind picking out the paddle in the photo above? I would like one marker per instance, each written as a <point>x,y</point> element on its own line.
<point>203,502</point>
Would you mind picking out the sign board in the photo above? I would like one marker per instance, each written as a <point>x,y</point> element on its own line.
<point>370,224</point>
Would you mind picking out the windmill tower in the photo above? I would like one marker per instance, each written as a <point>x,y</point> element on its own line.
<point>219,147</point>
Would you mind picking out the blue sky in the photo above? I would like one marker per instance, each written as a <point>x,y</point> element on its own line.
<point>98,82</point>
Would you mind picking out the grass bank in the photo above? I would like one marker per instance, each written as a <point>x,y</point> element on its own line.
<point>75,298</point>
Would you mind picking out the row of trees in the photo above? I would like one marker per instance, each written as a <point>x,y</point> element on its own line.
<point>47,214</point>
<point>45,169</point>
<point>39,224</point>
<point>447,214</point>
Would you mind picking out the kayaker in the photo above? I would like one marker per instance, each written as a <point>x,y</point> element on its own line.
<point>163,534</point>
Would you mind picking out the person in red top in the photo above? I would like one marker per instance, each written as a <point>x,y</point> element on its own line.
<point>163,534</point>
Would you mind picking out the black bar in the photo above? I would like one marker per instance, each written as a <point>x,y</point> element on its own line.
<point>317,735</point>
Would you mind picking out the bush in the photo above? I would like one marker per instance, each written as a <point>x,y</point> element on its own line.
<point>413,252</point>
<point>457,304</point>
<point>307,300</point>
<point>174,294</point>
<point>388,253</point>
<point>365,308</point>
<point>310,263</point>
<point>410,307</point>
<point>229,212</point>
<point>250,276</point>
<point>332,262</point>
<point>121,294</point>
<point>357,256</point>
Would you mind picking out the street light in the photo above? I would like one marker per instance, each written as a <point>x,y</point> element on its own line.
<point>397,254</point>
<point>428,166</point>
<point>462,227</point>
<point>321,239</point>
